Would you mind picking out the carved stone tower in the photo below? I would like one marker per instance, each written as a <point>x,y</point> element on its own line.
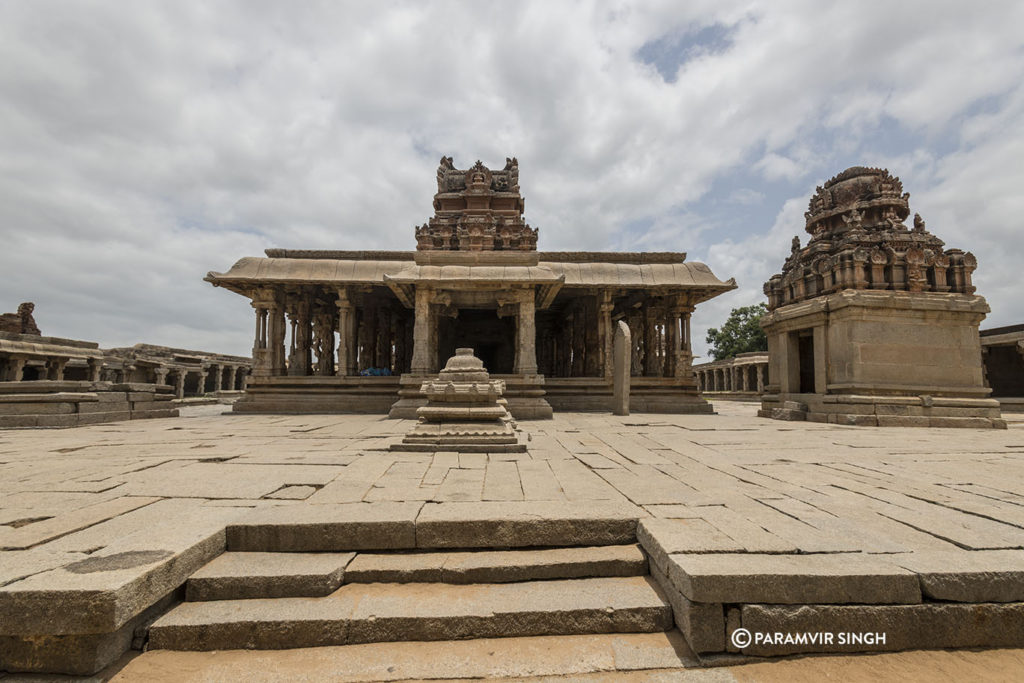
<point>873,322</point>
<point>477,210</point>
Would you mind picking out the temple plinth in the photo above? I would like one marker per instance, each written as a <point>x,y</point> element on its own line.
<point>464,411</point>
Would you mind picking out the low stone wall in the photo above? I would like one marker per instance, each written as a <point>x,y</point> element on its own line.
<point>70,404</point>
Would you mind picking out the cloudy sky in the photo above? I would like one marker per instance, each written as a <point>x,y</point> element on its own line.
<point>143,144</point>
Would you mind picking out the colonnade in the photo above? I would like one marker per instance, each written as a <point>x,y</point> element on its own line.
<point>575,340</point>
<point>734,375</point>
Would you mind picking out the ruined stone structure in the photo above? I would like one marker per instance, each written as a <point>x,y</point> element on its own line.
<point>191,373</point>
<point>873,322</point>
<point>55,382</point>
<point>742,376</point>
<point>357,331</point>
<point>464,413</point>
<point>21,322</point>
<point>1002,349</point>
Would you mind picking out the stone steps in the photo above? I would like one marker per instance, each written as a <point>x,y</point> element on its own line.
<point>607,655</point>
<point>388,612</point>
<point>247,575</point>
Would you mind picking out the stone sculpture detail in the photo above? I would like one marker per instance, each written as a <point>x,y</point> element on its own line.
<point>859,241</point>
<point>464,411</point>
<point>477,210</point>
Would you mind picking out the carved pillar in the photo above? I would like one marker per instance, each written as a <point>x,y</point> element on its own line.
<point>300,359</point>
<point>760,378</point>
<point>95,368</point>
<point>232,370</point>
<point>202,374</point>
<point>268,349</point>
<point>526,335</point>
<point>745,369</point>
<point>323,342</point>
<point>15,369</point>
<point>648,340</point>
<point>159,374</point>
<point>218,375</point>
<point>421,332</point>
<point>604,332</point>
<point>179,382</point>
<point>346,334</point>
<point>55,368</point>
<point>260,352</point>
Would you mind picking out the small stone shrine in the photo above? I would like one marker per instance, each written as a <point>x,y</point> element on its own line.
<point>464,412</point>
<point>873,322</point>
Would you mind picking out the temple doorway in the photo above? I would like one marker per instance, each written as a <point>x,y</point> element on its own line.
<point>491,338</point>
<point>806,350</point>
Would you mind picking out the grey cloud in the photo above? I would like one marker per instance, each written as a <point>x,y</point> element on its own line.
<point>146,143</point>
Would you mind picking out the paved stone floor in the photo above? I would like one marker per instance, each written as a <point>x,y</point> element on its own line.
<point>914,498</point>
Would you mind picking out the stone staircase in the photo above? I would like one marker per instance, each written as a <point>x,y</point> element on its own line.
<point>281,600</point>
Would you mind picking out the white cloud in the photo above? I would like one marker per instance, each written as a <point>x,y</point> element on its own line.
<point>146,143</point>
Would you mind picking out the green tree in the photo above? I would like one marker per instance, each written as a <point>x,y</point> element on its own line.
<point>741,333</point>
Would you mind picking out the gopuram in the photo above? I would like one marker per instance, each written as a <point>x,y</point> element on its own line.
<point>873,322</point>
<point>359,331</point>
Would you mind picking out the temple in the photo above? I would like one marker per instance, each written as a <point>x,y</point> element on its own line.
<point>874,322</point>
<point>359,331</point>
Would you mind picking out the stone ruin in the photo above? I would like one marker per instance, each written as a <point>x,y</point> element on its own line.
<point>464,412</point>
<point>874,322</point>
<point>21,322</point>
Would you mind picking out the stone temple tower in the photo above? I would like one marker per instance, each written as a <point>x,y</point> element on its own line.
<point>874,322</point>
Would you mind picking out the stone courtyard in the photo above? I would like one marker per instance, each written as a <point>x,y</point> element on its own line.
<point>772,526</point>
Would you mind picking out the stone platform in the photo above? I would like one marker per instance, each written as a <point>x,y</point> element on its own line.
<point>746,523</point>
<point>66,403</point>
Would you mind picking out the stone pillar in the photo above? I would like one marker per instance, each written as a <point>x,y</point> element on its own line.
<point>15,369</point>
<point>760,378</point>
<point>346,334</point>
<point>605,333</point>
<point>323,341</point>
<point>745,369</point>
<point>300,359</point>
<point>179,382</point>
<point>232,373</point>
<point>422,325</point>
<point>160,375</point>
<point>275,336</point>
<point>671,343</point>
<point>526,335</point>
<point>55,368</point>
<point>623,362</point>
<point>649,340</point>
<point>218,373</point>
<point>201,385</point>
<point>268,346</point>
<point>95,368</point>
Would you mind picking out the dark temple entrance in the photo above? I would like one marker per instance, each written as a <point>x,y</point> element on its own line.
<point>806,350</point>
<point>491,338</point>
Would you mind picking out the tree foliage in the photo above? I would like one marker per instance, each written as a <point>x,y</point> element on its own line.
<point>741,333</point>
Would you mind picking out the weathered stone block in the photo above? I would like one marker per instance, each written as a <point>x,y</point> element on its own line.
<point>702,624</point>
<point>968,576</point>
<point>327,528</point>
<point>792,579</point>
